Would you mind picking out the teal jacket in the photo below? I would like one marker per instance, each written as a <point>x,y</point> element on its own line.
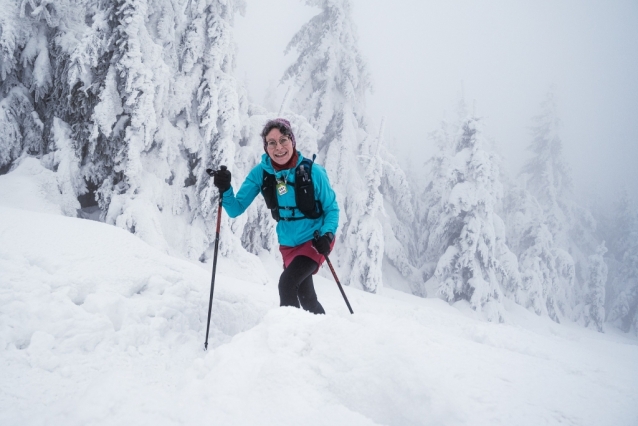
<point>289,233</point>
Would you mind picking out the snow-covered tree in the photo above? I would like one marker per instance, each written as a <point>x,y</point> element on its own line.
<point>65,162</point>
<point>20,127</point>
<point>366,233</point>
<point>147,90</point>
<point>141,79</point>
<point>221,108</point>
<point>567,254</point>
<point>547,271</point>
<point>25,77</point>
<point>466,238</point>
<point>217,95</point>
<point>434,235</point>
<point>331,80</point>
<point>547,174</point>
<point>399,224</point>
<point>624,222</point>
<point>330,72</point>
<point>397,214</point>
<point>624,279</point>
<point>593,313</point>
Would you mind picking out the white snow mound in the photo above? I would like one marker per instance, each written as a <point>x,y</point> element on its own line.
<point>97,327</point>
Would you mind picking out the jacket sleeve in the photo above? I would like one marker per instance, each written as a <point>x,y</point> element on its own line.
<point>237,204</point>
<point>328,200</point>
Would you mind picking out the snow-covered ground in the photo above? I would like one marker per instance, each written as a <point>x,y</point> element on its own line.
<point>97,327</point>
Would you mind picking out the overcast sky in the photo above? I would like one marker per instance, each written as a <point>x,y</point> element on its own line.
<point>504,54</point>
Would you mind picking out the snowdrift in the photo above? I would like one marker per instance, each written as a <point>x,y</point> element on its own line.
<point>97,327</point>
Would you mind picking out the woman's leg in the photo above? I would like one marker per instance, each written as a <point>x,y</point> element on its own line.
<point>295,284</point>
<point>308,297</point>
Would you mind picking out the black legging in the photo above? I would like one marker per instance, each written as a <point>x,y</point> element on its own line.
<point>295,285</point>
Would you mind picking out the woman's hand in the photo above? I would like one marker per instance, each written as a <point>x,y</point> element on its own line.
<point>322,244</point>
<point>221,178</point>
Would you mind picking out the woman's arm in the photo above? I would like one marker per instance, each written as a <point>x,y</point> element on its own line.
<point>237,204</point>
<point>328,199</point>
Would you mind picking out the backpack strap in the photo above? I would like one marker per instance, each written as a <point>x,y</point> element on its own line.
<point>269,191</point>
<point>309,207</point>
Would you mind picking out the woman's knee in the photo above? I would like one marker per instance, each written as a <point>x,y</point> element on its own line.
<point>288,281</point>
<point>288,287</point>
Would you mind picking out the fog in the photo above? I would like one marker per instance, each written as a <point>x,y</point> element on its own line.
<point>501,56</point>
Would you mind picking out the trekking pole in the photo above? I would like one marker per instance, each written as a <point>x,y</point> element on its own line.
<point>334,274</point>
<point>212,282</point>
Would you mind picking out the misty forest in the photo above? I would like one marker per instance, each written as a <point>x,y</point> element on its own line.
<point>125,103</point>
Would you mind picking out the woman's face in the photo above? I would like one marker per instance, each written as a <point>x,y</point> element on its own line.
<point>279,147</point>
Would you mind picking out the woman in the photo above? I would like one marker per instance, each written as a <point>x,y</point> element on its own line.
<point>281,177</point>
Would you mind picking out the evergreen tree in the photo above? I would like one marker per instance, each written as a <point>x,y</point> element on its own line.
<point>624,222</point>
<point>467,237</point>
<point>547,173</point>
<point>547,271</point>
<point>25,77</point>
<point>218,99</point>
<point>330,73</point>
<point>331,80</point>
<point>138,67</point>
<point>389,199</point>
<point>572,227</point>
<point>624,249</point>
<point>594,309</point>
<point>436,228</point>
<point>221,107</point>
<point>66,163</point>
<point>146,87</point>
<point>366,235</point>
<point>20,127</point>
<point>398,223</point>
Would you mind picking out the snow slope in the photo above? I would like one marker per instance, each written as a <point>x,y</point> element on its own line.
<point>98,328</point>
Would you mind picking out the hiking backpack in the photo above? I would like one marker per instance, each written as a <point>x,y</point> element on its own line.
<point>308,206</point>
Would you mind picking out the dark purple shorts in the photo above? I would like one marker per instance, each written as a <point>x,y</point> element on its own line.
<point>305,249</point>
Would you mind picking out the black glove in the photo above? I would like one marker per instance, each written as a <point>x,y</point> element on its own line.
<point>221,178</point>
<point>322,244</point>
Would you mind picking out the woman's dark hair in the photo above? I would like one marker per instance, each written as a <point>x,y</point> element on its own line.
<point>280,124</point>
